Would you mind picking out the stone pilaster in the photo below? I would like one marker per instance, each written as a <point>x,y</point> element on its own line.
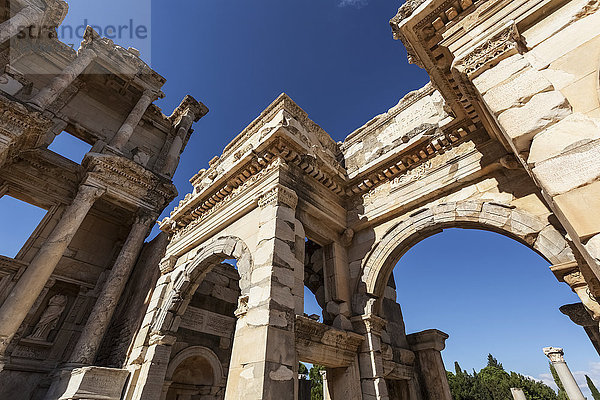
<point>263,362</point>
<point>133,119</point>
<point>31,283</point>
<point>152,373</point>
<point>370,358</point>
<point>48,94</point>
<point>555,355</point>
<point>100,317</point>
<point>26,17</point>
<point>427,346</point>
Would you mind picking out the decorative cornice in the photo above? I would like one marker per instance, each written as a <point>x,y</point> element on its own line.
<point>503,44</point>
<point>188,103</point>
<point>436,143</point>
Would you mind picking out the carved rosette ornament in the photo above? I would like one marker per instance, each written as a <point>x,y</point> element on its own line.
<point>279,196</point>
<point>555,354</point>
<point>505,43</point>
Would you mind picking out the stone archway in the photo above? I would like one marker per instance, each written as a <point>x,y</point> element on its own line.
<point>537,234</point>
<point>172,295</point>
<point>195,369</point>
<point>187,276</point>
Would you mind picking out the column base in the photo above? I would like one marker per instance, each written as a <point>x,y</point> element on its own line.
<point>90,383</point>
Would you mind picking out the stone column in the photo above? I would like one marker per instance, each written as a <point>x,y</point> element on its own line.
<point>263,361</point>
<point>427,346</point>
<point>31,283</point>
<point>28,16</point>
<point>133,119</point>
<point>369,358</point>
<point>517,394</point>
<point>101,315</point>
<point>555,355</point>
<point>326,395</point>
<point>47,95</point>
<point>173,155</point>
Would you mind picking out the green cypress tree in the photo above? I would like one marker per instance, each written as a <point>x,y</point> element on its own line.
<point>316,390</point>
<point>595,392</point>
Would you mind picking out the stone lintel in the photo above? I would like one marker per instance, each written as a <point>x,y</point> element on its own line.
<point>431,339</point>
<point>324,345</point>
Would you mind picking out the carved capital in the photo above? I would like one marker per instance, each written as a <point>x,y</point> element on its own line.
<point>555,354</point>
<point>167,264</point>
<point>145,217</point>
<point>503,44</point>
<point>369,323</point>
<point>89,193</point>
<point>279,196</point>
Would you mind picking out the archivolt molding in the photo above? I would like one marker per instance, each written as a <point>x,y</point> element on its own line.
<point>198,351</point>
<point>505,219</point>
<point>186,278</point>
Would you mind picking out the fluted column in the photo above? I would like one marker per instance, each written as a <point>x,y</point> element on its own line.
<point>47,95</point>
<point>173,155</point>
<point>31,283</point>
<point>133,119</point>
<point>104,308</point>
<point>28,16</point>
<point>555,355</point>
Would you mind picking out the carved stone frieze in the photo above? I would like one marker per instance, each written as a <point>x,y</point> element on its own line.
<point>505,43</point>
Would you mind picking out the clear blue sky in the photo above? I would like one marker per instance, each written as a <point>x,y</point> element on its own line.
<point>339,62</point>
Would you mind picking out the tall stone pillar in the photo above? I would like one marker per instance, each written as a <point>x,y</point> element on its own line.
<point>100,317</point>
<point>173,155</point>
<point>517,394</point>
<point>31,283</point>
<point>47,95</point>
<point>133,119</point>
<point>26,17</point>
<point>263,361</point>
<point>427,346</point>
<point>555,355</point>
<point>369,358</point>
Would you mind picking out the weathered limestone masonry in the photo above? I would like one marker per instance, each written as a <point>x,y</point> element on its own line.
<point>66,286</point>
<point>502,140</point>
<point>505,138</point>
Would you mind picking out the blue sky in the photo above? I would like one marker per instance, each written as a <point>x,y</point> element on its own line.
<point>338,61</point>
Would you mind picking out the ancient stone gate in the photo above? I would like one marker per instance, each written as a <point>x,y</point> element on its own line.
<point>505,138</point>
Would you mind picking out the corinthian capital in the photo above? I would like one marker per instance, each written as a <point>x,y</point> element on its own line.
<point>555,354</point>
<point>279,195</point>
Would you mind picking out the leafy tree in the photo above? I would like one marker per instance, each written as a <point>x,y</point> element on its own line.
<point>494,383</point>
<point>302,370</point>
<point>595,392</point>
<point>492,362</point>
<point>562,394</point>
<point>316,391</point>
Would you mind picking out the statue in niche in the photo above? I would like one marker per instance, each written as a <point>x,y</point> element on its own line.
<point>49,319</point>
